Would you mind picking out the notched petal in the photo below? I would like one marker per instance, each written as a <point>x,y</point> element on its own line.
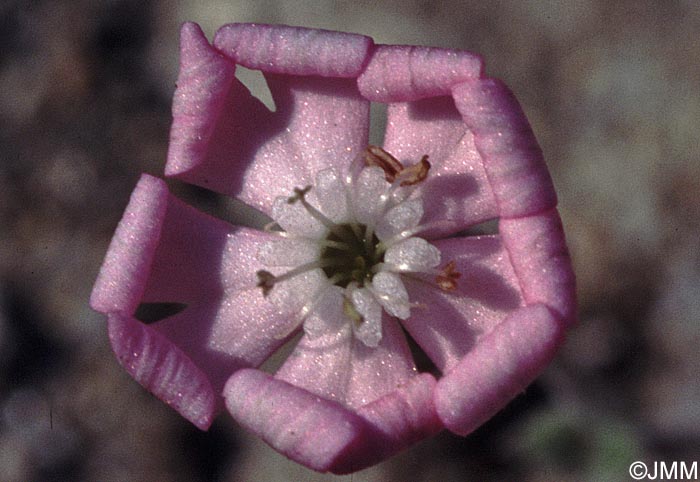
<point>391,294</point>
<point>404,216</point>
<point>369,330</point>
<point>413,254</point>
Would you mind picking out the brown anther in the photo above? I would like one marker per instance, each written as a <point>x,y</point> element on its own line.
<point>298,194</point>
<point>266,281</point>
<point>447,279</point>
<point>416,173</point>
<point>376,156</point>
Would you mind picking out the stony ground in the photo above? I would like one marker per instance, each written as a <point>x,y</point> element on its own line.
<point>612,91</point>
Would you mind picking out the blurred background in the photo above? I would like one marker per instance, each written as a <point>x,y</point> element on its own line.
<point>613,93</point>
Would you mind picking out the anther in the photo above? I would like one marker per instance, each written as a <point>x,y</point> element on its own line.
<point>376,156</point>
<point>447,279</point>
<point>298,194</point>
<point>414,174</point>
<point>266,281</point>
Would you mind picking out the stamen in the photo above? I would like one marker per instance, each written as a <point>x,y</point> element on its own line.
<point>350,310</point>
<point>376,156</point>
<point>329,243</point>
<point>350,253</point>
<point>300,195</point>
<point>447,279</point>
<point>369,233</point>
<point>416,173</point>
<point>408,233</point>
<point>267,280</point>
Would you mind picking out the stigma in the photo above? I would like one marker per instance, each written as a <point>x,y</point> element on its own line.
<point>352,238</point>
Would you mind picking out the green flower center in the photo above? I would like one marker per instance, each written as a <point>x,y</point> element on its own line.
<point>350,255</point>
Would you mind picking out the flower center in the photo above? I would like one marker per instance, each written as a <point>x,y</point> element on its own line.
<point>352,248</point>
<point>350,256</point>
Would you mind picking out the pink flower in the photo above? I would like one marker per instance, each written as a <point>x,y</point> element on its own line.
<point>366,243</point>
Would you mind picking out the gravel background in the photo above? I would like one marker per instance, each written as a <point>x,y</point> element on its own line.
<point>612,91</point>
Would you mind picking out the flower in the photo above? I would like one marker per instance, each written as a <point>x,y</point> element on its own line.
<point>366,247</point>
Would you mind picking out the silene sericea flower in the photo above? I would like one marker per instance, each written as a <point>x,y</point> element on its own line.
<point>367,246</point>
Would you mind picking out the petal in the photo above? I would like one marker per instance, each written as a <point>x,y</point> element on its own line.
<point>206,77</point>
<point>447,325</point>
<point>337,366</point>
<point>306,428</point>
<point>288,252</point>
<point>165,251</point>
<point>397,420</point>
<point>369,198</point>
<point>327,315</point>
<point>320,363</point>
<point>295,219</point>
<point>323,435</point>
<point>413,254</point>
<point>126,267</point>
<point>217,123</point>
<point>295,295</point>
<point>377,371</point>
<point>405,215</point>
<point>512,158</point>
<point>331,195</point>
<point>541,260</point>
<point>163,369</point>
<point>242,329</point>
<point>498,368</point>
<point>250,152</point>
<point>389,290</point>
<point>397,73</point>
<point>456,192</point>
<point>323,122</point>
<point>370,329</point>
<point>294,50</point>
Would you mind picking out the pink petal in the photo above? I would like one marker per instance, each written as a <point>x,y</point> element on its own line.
<point>457,191</point>
<point>226,140</point>
<point>498,368</point>
<point>541,260</point>
<point>256,156</point>
<point>321,365</point>
<point>124,272</point>
<point>323,435</point>
<point>378,371</point>
<point>163,369</point>
<point>203,89</point>
<point>199,257</point>
<point>512,158</point>
<point>397,420</point>
<point>321,123</point>
<point>399,73</point>
<point>223,335</point>
<point>306,428</point>
<point>294,50</point>
<point>449,325</point>
<point>342,368</point>
<point>210,266</point>
<point>165,251</point>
